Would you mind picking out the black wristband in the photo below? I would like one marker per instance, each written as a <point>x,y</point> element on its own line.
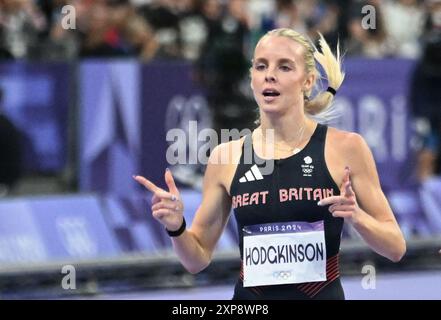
<point>332,91</point>
<point>178,232</point>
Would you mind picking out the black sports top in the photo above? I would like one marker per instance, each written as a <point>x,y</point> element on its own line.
<point>289,193</point>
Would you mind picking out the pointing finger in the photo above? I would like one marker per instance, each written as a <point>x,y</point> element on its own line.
<point>146,183</point>
<point>348,190</point>
<point>170,182</point>
<point>330,200</point>
<point>158,192</point>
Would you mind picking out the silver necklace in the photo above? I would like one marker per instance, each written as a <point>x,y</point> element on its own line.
<point>296,148</point>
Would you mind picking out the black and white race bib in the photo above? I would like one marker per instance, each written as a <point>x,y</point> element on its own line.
<point>283,253</point>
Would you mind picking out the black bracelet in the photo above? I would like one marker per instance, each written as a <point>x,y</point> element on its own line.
<point>332,91</point>
<point>178,232</point>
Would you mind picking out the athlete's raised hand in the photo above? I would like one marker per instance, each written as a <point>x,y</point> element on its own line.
<point>345,205</point>
<point>167,207</point>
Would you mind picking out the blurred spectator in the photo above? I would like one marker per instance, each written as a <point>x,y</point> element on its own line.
<point>308,17</point>
<point>425,95</point>
<point>193,28</point>
<point>223,65</point>
<point>227,36</point>
<point>100,36</point>
<point>368,42</point>
<point>288,16</point>
<point>20,23</point>
<point>57,43</point>
<point>433,18</point>
<point>141,37</point>
<point>321,17</point>
<point>343,11</point>
<point>403,21</point>
<point>163,16</point>
<point>10,155</point>
<point>103,28</point>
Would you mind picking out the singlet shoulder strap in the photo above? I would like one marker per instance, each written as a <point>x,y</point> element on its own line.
<point>316,143</point>
<point>247,147</point>
<point>247,144</point>
<point>320,132</point>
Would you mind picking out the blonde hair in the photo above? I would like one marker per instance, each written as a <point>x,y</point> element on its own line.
<point>330,63</point>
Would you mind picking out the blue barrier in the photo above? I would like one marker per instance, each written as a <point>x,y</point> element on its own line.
<point>54,228</point>
<point>87,227</point>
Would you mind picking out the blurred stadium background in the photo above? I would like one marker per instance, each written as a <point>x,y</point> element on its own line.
<point>83,109</point>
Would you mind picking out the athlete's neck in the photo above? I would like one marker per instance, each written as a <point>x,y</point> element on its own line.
<point>286,129</point>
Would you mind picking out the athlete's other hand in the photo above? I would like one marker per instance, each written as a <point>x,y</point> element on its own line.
<point>345,205</point>
<point>167,207</point>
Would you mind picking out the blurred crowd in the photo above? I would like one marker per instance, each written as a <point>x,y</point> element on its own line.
<point>185,29</point>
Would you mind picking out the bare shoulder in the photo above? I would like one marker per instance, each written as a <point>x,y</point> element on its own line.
<point>350,145</point>
<point>345,148</point>
<point>223,162</point>
<point>226,153</point>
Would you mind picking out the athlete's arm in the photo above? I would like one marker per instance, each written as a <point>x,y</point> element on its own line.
<point>195,246</point>
<point>363,203</point>
<point>210,219</point>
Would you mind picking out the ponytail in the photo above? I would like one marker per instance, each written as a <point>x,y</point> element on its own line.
<point>332,67</point>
